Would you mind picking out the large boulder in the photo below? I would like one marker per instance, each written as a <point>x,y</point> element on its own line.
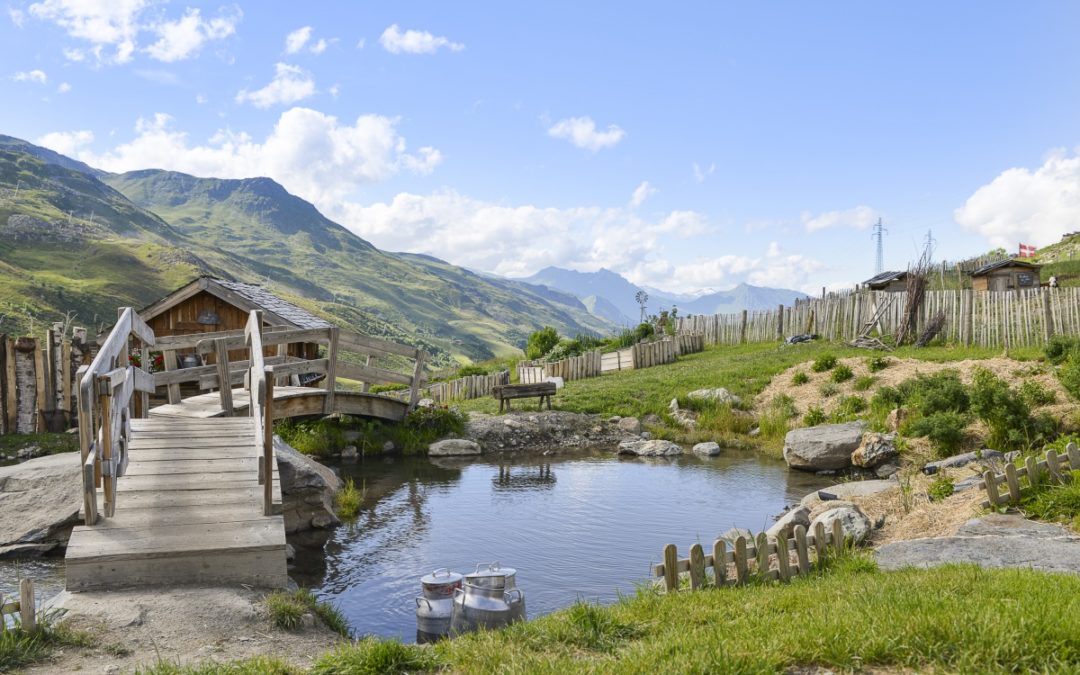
<point>307,490</point>
<point>854,488</point>
<point>853,522</point>
<point>707,449</point>
<point>630,425</point>
<point>453,447</point>
<point>785,526</point>
<point>719,395</point>
<point>875,449</point>
<point>654,448</point>
<point>39,504</point>
<point>827,447</point>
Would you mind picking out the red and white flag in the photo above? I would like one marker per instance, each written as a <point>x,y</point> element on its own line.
<point>1027,251</point>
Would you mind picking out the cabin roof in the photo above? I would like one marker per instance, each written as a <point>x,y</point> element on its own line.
<point>1007,262</point>
<point>884,278</point>
<point>244,296</point>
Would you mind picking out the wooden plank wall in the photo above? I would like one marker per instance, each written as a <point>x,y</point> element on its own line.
<point>1004,319</point>
<point>465,388</point>
<point>594,364</point>
<point>37,381</point>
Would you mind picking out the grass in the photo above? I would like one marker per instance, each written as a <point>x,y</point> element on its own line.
<point>287,610</point>
<point>259,665</point>
<point>50,444</point>
<point>19,648</point>
<point>1056,503</point>
<point>347,501</point>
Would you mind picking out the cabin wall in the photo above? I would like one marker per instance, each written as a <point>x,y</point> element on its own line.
<point>1008,279</point>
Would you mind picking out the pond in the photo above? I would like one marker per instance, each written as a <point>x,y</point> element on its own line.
<point>575,526</point>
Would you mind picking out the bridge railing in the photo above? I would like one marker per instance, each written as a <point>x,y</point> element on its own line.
<point>107,402</point>
<point>260,389</point>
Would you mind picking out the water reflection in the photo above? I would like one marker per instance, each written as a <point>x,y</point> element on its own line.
<point>576,526</point>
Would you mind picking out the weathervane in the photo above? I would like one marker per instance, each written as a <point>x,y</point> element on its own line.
<point>642,297</point>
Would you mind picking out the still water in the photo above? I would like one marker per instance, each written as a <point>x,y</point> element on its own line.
<point>581,526</point>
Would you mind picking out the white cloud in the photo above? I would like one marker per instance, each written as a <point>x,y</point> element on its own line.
<point>296,40</point>
<point>319,47</point>
<point>201,99</point>
<point>100,22</point>
<point>360,43</point>
<point>395,41</point>
<point>641,193</point>
<point>1021,205</point>
<point>774,269</point>
<point>75,55</point>
<point>63,88</point>
<point>700,174</point>
<point>183,38</point>
<point>35,76</point>
<point>334,90</point>
<point>290,84</point>
<point>314,155</point>
<point>860,217</point>
<point>66,142</point>
<point>17,16</point>
<point>582,132</point>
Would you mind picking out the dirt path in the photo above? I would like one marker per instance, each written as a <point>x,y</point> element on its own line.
<point>136,628</point>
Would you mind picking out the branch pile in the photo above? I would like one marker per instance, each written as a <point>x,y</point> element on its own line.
<point>916,293</point>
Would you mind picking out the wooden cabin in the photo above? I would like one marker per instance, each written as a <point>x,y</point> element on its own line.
<point>893,282</point>
<point>209,305</point>
<point>1006,275</point>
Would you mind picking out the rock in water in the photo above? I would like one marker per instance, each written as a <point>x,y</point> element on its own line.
<point>709,449</point>
<point>307,490</point>
<point>453,447</point>
<point>630,425</point>
<point>853,522</point>
<point>827,447</point>
<point>39,504</point>
<point>875,449</point>
<point>654,448</point>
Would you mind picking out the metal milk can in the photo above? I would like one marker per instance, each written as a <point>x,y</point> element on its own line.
<point>434,607</point>
<point>487,599</point>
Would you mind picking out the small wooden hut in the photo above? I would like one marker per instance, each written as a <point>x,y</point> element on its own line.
<point>1006,275</point>
<point>894,282</point>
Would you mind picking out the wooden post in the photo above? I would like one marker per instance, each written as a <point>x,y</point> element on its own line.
<point>742,571</point>
<point>821,543</point>
<point>697,567</point>
<point>27,606</point>
<point>268,448</point>
<point>1074,456</point>
<point>780,322</point>
<point>990,483</point>
<point>1053,468</point>
<point>742,328</point>
<point>1033,472</point>
<point>5,427</point>
<point>108,478</point>
<point>331,370</point>
<point>221,352</point>
<point>366,386</point>
<point>1013,482</point>
<point>41,393</point>
<point>169,356</point>
<point>146,364</point>
<point>65,379</point>
<point>838,536</point>
<point>719,556</point>
<point>1048,317</point>
<point>801,549</point>
<point>783,560</point>
<point>671,568</point>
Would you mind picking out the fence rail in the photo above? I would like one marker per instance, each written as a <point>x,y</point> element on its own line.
<point>1019,318</point>
<point>25,607</point>
<point>1053,469</point>
<point>466,388</point>
<point>595,363</point>
<point>751,558</point>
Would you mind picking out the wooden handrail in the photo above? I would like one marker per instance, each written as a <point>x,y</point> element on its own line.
<point>106,404</point>
<point>260,386</point>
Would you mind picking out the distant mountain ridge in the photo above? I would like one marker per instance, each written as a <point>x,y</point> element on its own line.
<point>612,297</point>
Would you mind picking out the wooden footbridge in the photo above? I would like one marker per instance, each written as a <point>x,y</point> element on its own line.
<point>187,492</point>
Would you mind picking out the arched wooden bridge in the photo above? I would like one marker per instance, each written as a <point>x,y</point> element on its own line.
<point>187,492</point>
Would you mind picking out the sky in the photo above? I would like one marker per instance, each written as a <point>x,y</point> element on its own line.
<point>688,146</point>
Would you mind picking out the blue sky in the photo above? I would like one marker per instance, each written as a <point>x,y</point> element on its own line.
<point>688,146</point>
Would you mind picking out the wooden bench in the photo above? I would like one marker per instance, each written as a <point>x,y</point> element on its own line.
<point>504,393</point>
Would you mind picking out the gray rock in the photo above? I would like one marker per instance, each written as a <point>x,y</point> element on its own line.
<point>887,470</point>
<point>349,453</point>
<point>645,436</point>
<point>961,460</point>
<point>290,552</point>
<point>673,407</point>
<point>720,395</point>
<point>992,541</point>
<point>783,528</point>
<point>855,488</point>
<point>968,483</point>
<point>630,425</point>
<point>755,432</point>
<point>539,431</point>
<point>709,449</point>
<point>307,490</point>
<point>652,419</point>
<point>826,447</point>
<point>853,522</point>
<point>388,446</point>
<point>39,504</point>
<point>657,448</point>
<point>425,403</point>
<point>736,532</point>
<point>875,449</point>
<point>453,447</point>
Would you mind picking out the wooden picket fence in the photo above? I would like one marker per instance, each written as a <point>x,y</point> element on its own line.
<point>25,607</point>
<point>751,558</point>
<point>36,380</point>
<point>593,364</point>
<point>466,388</point>
<point>1054,470</point>
<point>1020,318</point>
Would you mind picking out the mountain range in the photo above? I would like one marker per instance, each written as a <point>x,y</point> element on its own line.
<point>611,296</point>
<point>79,241</point>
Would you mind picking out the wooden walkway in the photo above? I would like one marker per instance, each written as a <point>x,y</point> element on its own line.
<point>288,402</point>
<point>192,512</point>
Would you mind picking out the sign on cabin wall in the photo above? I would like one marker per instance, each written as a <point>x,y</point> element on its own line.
<point>1025,279</point>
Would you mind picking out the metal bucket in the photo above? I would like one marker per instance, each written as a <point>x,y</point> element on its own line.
<point>433,616</point>
<point>440,584</point>
<point>478,607</point>
<point>497,580</point>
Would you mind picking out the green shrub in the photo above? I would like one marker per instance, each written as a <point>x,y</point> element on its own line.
<point>348,500</point>
<point>877,363</point>
<point>287,609</point>
<point>565,349</point>
<point>423,426</point>
<point>375,656</point>
<point>842,373</point>
<point>469,371</point>
<point>864,383</point>
<point>773,422</point>
<point>318,438</point>
<point>1006,415</point>
<point>828,389</point>
<point>945,430</point>
<point>380,388</point>
<point>1068,374</point>
<point>1056,502</point>
<point>814,416</point>
<point>852,405</point>
<point>941,488</point>
<point>886,399</point>
<point>541,342</point>
<point>823,363</point>
<point>941,392</point>
<point>1060,347</point>
<point>800,378</point>
<point>1035,395</point>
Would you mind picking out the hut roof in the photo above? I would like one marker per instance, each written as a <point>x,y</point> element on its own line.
<point>884,278</point>
<point>244,296</point>
<point>1007,262</point>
